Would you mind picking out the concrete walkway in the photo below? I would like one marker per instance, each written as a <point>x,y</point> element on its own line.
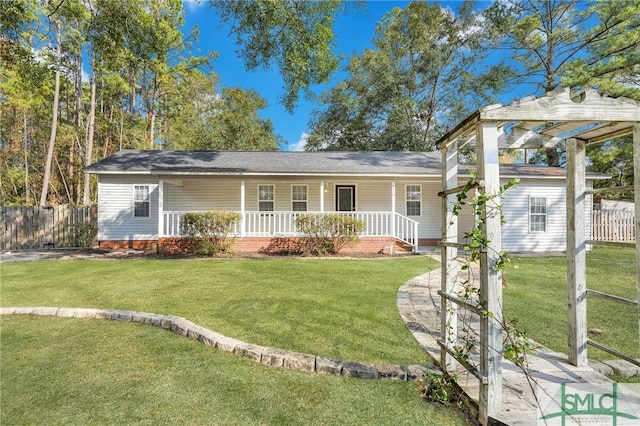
<point>419,306</point>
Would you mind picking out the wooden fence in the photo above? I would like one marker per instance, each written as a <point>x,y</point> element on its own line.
<point>613,225</point>
<point>30,227</point>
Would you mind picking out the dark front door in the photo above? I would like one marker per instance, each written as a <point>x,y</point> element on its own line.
<point>346,198</point>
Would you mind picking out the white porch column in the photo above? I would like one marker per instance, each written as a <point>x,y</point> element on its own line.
<point>160,208</point>
<point>393,209</point>
<point>576,254</point>
<point>321,197</point>
<point>490,277</point>
<point>242,207</point>
<point>449,264</point>
<point>636,198</point>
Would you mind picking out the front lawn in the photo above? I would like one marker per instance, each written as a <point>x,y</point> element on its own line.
<point>536,295</point>
<point>344,309</point>
<point>61,371</point>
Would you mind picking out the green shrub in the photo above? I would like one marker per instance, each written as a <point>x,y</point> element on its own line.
<point>328,233</point>
<point>85,234</point>
<point>212,232</point>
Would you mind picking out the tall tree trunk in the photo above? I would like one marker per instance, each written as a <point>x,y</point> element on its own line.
<point>89,152</point>
<point>152,126</point>
<point>54,120</point>
<point>71,170</point>
<point>26,159</point>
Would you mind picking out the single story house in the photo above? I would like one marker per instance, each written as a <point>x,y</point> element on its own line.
<point>143,194</point>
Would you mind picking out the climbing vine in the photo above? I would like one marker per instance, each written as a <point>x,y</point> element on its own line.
<point>516,343</point>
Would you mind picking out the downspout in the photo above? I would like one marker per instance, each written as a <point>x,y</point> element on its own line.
<point>160,208</point>
<point>242,208</point>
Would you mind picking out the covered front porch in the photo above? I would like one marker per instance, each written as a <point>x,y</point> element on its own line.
<point>283,225</point>
<point>270,222</point>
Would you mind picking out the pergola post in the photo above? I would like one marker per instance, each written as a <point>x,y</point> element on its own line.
<point>636,198</point>
<point>449,264</point>
<point>576,253</point>
<point>490,276</point>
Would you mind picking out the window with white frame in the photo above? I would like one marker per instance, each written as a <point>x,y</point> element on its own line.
<point>537,214</point>
<point>141,201</point>
<point>414,200</point>
<point>266,197</point>
<point>299,198</point>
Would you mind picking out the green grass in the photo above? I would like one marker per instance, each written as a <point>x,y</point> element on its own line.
<point>59,371</point>
<point>339,308</point>
<point>536,294</point>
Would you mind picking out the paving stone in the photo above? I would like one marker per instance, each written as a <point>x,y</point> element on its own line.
<point>140,317</point>
<point>211,338</point>
<point>600,367</point>
<point>122,315</point>
<point>247,350</point>
<point>414,372</point>
<point>196,333</point>
<point>151,319</point>
<point>85,313</point>
<point>358,370</point>
<point>228,344</point>
<point>45,311</point>
<point>181,326</point>
<point>328,365</point>
<point>24,311</point>
<point>66,312</point>
<point>623,368</point>
<point>300,362</point>
<point>167,322</point>
<point>391,372</point>
<point>103,314</point>
<point>273,357</point>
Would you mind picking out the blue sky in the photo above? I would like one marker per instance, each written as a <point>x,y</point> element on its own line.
<point>354,33</point>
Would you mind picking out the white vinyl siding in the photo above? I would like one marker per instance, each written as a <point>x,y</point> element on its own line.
<point>202,194</point>
<point>116,220</point>
<point>299,198</point>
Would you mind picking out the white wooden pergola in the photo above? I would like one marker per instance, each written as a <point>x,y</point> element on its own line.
<point>557,119</point>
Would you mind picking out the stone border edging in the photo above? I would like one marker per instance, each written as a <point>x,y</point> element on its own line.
<point>264,355</point>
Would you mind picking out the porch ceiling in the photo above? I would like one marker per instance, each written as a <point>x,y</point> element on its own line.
<point>546,121</point>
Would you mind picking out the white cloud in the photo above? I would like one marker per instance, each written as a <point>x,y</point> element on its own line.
<point>193,5</point>
<point>299,146</point>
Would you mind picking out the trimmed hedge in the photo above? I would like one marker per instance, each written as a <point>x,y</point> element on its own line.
<point>328,233</point>
<point>212,231</point>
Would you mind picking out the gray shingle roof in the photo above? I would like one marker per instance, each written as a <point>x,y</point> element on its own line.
<point>379,163</point>
<point>269,162</point>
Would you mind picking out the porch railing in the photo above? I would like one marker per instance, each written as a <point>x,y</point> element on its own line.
<point>283,224</point>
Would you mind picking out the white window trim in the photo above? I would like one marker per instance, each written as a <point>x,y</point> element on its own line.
<point>305,201</point>
<point>545,214</point>
<point>406,200</point>
<point>148,201</point>
<point>273,202</point>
